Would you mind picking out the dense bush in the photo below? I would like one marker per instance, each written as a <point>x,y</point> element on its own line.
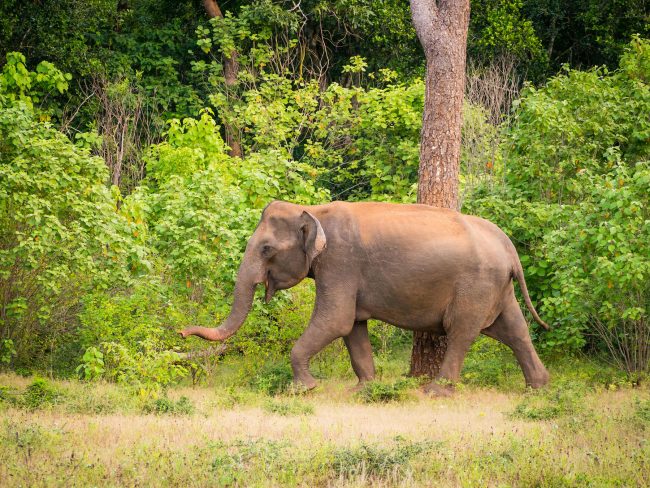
<point>60,230</point>
<point>575,202</point>
<point>100,280</point>
<point>580,121</point>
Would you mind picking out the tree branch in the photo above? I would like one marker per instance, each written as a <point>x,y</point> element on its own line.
<point>424,14</point>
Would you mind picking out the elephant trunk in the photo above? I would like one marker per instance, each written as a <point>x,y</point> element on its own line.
<point>248,276</point>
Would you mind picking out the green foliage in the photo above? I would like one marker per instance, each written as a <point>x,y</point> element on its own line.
<point>273,378</point>
<point>34,88</point>
<point>586,33</point>
<point>604,266</point>
<point>288,407</point>
<point>500,27</point>
<point>579,121</point>
<point>7,351</point>
<point>379,392</point>
<point>147,368</point>
<point>40,393</point>
<point>642,410</point>
<point>92,364</point>
<point>60,231</point>
<point>491,364</point>
<point>561,400</point>
<point>575,202</point>
<point>378,461</point>
<point>164,405</point>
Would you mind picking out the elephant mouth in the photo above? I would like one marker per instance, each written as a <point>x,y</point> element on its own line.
<point>269,284</point>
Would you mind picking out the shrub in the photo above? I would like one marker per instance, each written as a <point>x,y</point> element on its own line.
<point>580,120</point>
<point>642,410</point>
<point>273,378</point>
<point>491,364</point>
<point>288,407</point>
<point>164,405</point>
<point>576,205</point>
<point>378,392</point>
<point>561,400</point>
<point>92,365</point>
<point>38,394</point>
<point>603,268</point>
<point>149,370</point>
<point>377,461</point>
<point>60,233</point>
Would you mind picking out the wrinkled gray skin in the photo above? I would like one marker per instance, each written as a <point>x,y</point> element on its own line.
<point>413,266</point>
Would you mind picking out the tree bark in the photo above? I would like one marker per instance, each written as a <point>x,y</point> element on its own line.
<point>230,70</point>
<point>442,30</point>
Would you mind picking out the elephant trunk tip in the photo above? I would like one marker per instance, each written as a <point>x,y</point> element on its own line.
<point>205,333</point>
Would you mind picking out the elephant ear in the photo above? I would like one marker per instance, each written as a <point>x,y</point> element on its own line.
<point>314,239</point>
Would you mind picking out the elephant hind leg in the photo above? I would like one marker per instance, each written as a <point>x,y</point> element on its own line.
<point>358,345</point>
<point>511,329</point>
<point>461,331</point>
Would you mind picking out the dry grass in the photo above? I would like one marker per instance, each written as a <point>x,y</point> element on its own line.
<point>468,440</point>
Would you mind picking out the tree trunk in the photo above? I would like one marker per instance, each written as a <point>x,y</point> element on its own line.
<point>442,29</point>
<point>230,70</point>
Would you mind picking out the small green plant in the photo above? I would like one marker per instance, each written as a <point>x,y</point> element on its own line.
<point>562,400</point>
<point>642,410</point>
<point>288,407</point>
<point>38,394</point>
<point>164,405</point>
<point>378,392</point>
<point>490,364</point>
<point>377,461</point>
<point>8,395</point>
<point>232,462</point>
<point>22,436</point>
<point>7,351</point>
<point>92,365</point>
<point>149,371</point>
<point>273,379</point>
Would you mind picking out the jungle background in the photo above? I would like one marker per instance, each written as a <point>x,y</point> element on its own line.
<point>124,213</point>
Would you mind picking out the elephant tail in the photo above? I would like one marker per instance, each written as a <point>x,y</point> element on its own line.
<point>518,274</point>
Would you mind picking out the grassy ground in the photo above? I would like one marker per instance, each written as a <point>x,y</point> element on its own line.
<point>589,428</point>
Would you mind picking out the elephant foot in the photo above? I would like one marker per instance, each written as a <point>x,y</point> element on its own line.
<point>538,380</point>
<point>304,384</point>
<point>358,387</point>
<point>435,389</point>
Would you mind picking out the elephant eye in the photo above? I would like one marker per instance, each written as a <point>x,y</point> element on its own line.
<point>268,251</point>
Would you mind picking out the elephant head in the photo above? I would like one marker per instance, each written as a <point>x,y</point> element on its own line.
<point>279,254</point>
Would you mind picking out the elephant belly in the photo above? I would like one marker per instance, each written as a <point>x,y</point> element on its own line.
<point>407,312</point>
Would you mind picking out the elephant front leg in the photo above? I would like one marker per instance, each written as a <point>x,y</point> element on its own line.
<point>332,318</point>
<point>360,350</point>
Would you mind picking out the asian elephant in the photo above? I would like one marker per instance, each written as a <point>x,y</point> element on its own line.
<point>417,267</point>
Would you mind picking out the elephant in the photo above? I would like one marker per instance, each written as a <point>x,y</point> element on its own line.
<point>414,266</point>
